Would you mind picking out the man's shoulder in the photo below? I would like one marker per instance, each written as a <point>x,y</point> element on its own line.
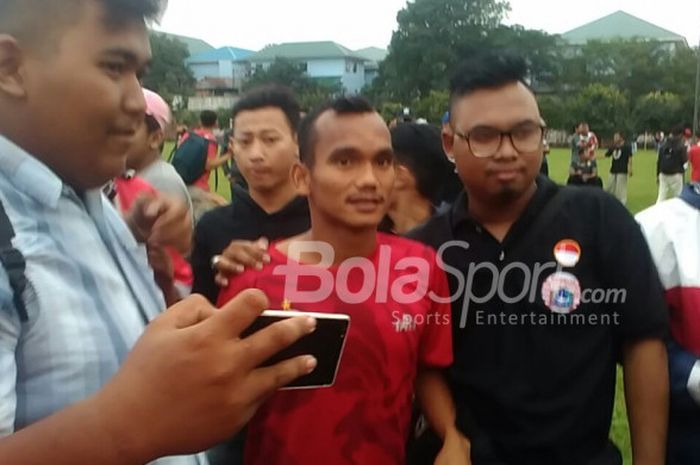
<point>207,134</point>
<point>667,214</point>
<point>161,169</point>
<point>162,173</point>
<point>217,218</point>
<point>435,231</point>
<point>586,200</point>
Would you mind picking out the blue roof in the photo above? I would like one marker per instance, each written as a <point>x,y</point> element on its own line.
<point>220,54</point>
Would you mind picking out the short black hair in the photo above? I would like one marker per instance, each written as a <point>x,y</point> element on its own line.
<point>346,105</point>
<point>40,22</point>
<point>208,118</point>
<point>271,96</point>
<point>487,70</point>
<point>419,148</point>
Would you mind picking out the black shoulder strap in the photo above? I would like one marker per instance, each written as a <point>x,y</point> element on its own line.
<point>13,262</point>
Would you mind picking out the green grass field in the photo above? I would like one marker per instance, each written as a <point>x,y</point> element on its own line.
<point>642,192</point>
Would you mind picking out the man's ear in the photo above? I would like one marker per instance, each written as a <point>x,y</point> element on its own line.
<point>404,178</point>
<point>448,141</point>
<point>155,139</point>
<point>11,60</point>
<point>301,178</point>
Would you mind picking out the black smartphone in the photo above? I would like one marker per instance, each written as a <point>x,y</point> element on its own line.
<point>326,343</point>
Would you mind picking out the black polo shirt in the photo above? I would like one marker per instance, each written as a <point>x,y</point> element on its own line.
<point>533,386</point>
<point>620,158</point>
<point>243,219</point>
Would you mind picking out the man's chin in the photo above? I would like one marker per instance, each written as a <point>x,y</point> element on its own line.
<point>507,193</point>
<point>360,224</point>
<point>263,187</point>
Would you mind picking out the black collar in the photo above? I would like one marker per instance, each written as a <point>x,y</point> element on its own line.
<point>546,189</point>
<point>239,196</point>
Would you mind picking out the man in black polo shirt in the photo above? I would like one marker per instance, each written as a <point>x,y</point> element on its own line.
<point>621,167</point>
<point>265,148</point>
<point>554,286</point>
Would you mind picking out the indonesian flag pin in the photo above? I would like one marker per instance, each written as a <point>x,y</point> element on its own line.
<point>567,253</point>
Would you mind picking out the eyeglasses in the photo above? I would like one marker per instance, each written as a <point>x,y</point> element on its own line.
<point>485,141</point>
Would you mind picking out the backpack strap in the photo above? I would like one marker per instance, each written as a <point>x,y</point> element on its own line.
<point>13,262</point>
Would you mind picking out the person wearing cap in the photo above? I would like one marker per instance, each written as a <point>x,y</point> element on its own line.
<point>144,156</point>
<point>148,174</point>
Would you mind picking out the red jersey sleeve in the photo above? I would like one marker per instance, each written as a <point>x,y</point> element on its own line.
<point>436,340</point>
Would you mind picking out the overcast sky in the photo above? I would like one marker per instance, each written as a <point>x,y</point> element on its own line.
<point>356,24</point>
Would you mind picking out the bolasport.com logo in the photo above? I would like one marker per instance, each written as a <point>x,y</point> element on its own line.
<point>405,281</point>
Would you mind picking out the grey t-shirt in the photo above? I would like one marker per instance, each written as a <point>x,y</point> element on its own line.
<point>162,176</point>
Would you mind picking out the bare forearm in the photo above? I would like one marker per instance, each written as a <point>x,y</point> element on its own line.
<point>646,391</point>
<point>217,162</point>
<point>74,436</point>
<point>436,401</point>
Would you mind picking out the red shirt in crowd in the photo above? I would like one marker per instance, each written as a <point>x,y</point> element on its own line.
<point>364,417</point>
<point>128,190</point>
<point>694,158</point>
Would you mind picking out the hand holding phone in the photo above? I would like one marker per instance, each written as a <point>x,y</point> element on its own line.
<point>326,344</point>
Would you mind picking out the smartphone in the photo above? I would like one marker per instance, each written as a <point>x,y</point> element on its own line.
<point>326,343</point>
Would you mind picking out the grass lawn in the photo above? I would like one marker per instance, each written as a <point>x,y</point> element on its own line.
<point>642,191</point>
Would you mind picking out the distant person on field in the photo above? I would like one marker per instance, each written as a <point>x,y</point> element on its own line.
<point>621,167</point>
<point>583,139</point>
<point>670,168</point>
<point>203,199</point>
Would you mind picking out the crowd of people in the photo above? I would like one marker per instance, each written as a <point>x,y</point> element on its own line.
<point>674,154</point>
<point>487,320</point>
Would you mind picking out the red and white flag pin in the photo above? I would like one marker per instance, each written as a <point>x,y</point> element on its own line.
<point>567,253</point>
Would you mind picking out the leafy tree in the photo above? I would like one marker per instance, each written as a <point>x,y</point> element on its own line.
<point>432,106</point>
<point>554,111</point>
<point>658,111</point>
<point>168,75</point>
<point>431,36</point>
<point>310,92</point>
<point>635,66</point>
<point>604,107</point>
<point>542,52</point>
<point>679,78</point>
